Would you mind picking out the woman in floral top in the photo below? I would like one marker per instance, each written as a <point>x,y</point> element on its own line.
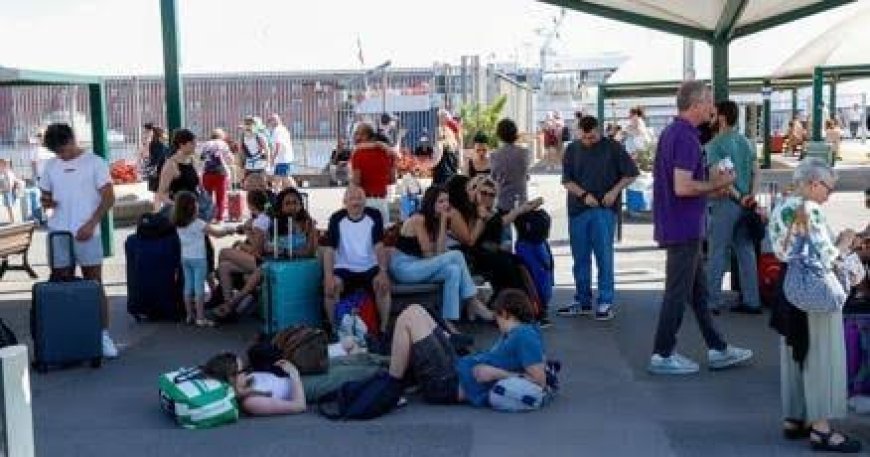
<point>813,352</point>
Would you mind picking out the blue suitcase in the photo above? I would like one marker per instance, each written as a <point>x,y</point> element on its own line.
<point>154,280</point>
<point>292,294</point>
<point>65,317</point>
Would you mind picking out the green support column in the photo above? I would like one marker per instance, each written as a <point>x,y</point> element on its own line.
<point>719,71</point>
<point>818,86</point>
<point>171,64</point>
<point>766,93</point>
<point>794,103</point>
<point>100,143</point>
<point>602,95</point>
<point>832,99</point>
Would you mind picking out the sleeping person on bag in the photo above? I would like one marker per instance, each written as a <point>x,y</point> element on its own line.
<point>260,393</point>
<point>424,348</point>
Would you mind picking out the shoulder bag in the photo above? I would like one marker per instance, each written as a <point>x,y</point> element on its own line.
<point>808,285</point>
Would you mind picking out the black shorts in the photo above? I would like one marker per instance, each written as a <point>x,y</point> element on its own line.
<point>433,364</point>
<point>352,281</point>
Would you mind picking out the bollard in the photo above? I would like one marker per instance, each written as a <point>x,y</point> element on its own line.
<point>17,414</point>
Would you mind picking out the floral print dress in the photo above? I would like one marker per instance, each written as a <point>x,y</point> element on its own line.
<point>820,234</point>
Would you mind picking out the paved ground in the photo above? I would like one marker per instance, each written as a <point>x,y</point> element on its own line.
<point>608,405</point>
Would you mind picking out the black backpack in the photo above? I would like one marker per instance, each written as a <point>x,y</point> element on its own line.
<point>363,400</point>
<point>533,227</point>
<point>154,225</point>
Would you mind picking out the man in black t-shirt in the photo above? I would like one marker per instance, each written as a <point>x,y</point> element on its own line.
<point>595,171</point>
<point>355,257</point>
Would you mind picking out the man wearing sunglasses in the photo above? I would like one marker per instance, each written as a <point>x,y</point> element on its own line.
<point>595,170</point>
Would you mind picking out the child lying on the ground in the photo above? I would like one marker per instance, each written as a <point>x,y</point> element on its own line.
<point>259,393</point>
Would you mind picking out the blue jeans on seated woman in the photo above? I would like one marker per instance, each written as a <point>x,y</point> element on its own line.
<point>448,267</point>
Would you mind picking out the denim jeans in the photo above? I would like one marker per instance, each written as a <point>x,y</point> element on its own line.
<point>448,267</point>
<point>194,278</point>
<point>724,234</point>
<point>592,231</point>
<point>685,285</point>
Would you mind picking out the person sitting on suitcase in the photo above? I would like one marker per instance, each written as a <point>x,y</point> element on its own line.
<point>422,347</point>
<point>302,238</point>
<point>245,256</point>
<point>355,257</point>
<point>77,188</point>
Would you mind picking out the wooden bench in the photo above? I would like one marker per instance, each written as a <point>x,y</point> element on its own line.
<point>15,240</point>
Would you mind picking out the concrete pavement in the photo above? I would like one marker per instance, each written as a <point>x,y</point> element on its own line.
<point>608,405</point>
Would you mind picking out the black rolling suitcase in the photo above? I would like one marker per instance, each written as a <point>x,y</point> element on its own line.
<point>65,317</point>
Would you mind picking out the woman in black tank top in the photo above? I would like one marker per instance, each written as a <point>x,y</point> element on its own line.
<point>421,256</point>
<point>478,164</point>
<point>480,234</point>
<point>178,172</point>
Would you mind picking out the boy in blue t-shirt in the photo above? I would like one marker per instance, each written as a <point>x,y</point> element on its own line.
<point>422,346</point>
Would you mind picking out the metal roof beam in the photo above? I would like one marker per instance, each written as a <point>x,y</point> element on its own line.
<point>773,21</point>
<point>633,18</point>
<point>731,13</point>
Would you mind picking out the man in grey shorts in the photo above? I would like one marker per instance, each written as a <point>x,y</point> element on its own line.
<point>77,189</point>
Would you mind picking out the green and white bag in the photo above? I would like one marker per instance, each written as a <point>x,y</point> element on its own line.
<point>195,401</point>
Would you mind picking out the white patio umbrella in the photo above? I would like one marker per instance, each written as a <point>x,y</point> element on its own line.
<point>845,43</point>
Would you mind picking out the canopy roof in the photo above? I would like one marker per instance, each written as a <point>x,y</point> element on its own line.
<point>19,77</point>
<point>747,85</point>
<point>707,20</point>
<point>843,44</point>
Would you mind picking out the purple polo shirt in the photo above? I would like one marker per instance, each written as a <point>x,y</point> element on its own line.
<point>678,219</point>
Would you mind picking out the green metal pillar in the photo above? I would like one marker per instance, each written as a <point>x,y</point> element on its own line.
<point>794,103</point>
<point>719,71</point>
<point>602,95</point>
<point>818,86</point>
<point>100,141</point>
<point>832,99</point>
<point>766,93</point>
<point>171,64</point>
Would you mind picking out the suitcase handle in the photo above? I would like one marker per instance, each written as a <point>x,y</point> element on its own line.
<point>70,248</point>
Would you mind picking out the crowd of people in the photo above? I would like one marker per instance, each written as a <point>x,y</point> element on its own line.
<point>703,191</point>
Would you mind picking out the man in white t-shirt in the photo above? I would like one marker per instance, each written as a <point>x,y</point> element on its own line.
<point>355,257</point>
<point>77,188</point>
<point>282,149</point>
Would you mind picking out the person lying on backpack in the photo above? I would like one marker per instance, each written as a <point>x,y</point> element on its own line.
<point>260,393</point>
<point>245,256</point>
<point>422,347</point>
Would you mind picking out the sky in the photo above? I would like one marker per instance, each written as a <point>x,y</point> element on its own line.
<point>112,37</point>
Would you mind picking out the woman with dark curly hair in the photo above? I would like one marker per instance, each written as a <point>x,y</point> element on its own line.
<point>302,238</point>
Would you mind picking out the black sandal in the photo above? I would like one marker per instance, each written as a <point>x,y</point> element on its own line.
<point>795,429</point>
<point>847,446</point>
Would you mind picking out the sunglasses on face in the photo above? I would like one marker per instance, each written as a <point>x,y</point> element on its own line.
<point>487,193</point>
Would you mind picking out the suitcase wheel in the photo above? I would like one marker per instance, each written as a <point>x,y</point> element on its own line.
<point>96,362</point>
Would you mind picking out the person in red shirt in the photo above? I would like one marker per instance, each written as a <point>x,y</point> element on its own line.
<point>371,168</point>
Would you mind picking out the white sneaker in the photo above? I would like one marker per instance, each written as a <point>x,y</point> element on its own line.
<point>727,357</point>
<point>675,364</point>
<point>109,349</point>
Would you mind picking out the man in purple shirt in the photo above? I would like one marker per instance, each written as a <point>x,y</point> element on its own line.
<point>680,188</point>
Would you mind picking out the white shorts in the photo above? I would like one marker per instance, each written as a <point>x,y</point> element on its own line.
<point>87,253</point>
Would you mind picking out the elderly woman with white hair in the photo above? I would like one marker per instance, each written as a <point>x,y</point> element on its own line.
<point>813,353</point>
